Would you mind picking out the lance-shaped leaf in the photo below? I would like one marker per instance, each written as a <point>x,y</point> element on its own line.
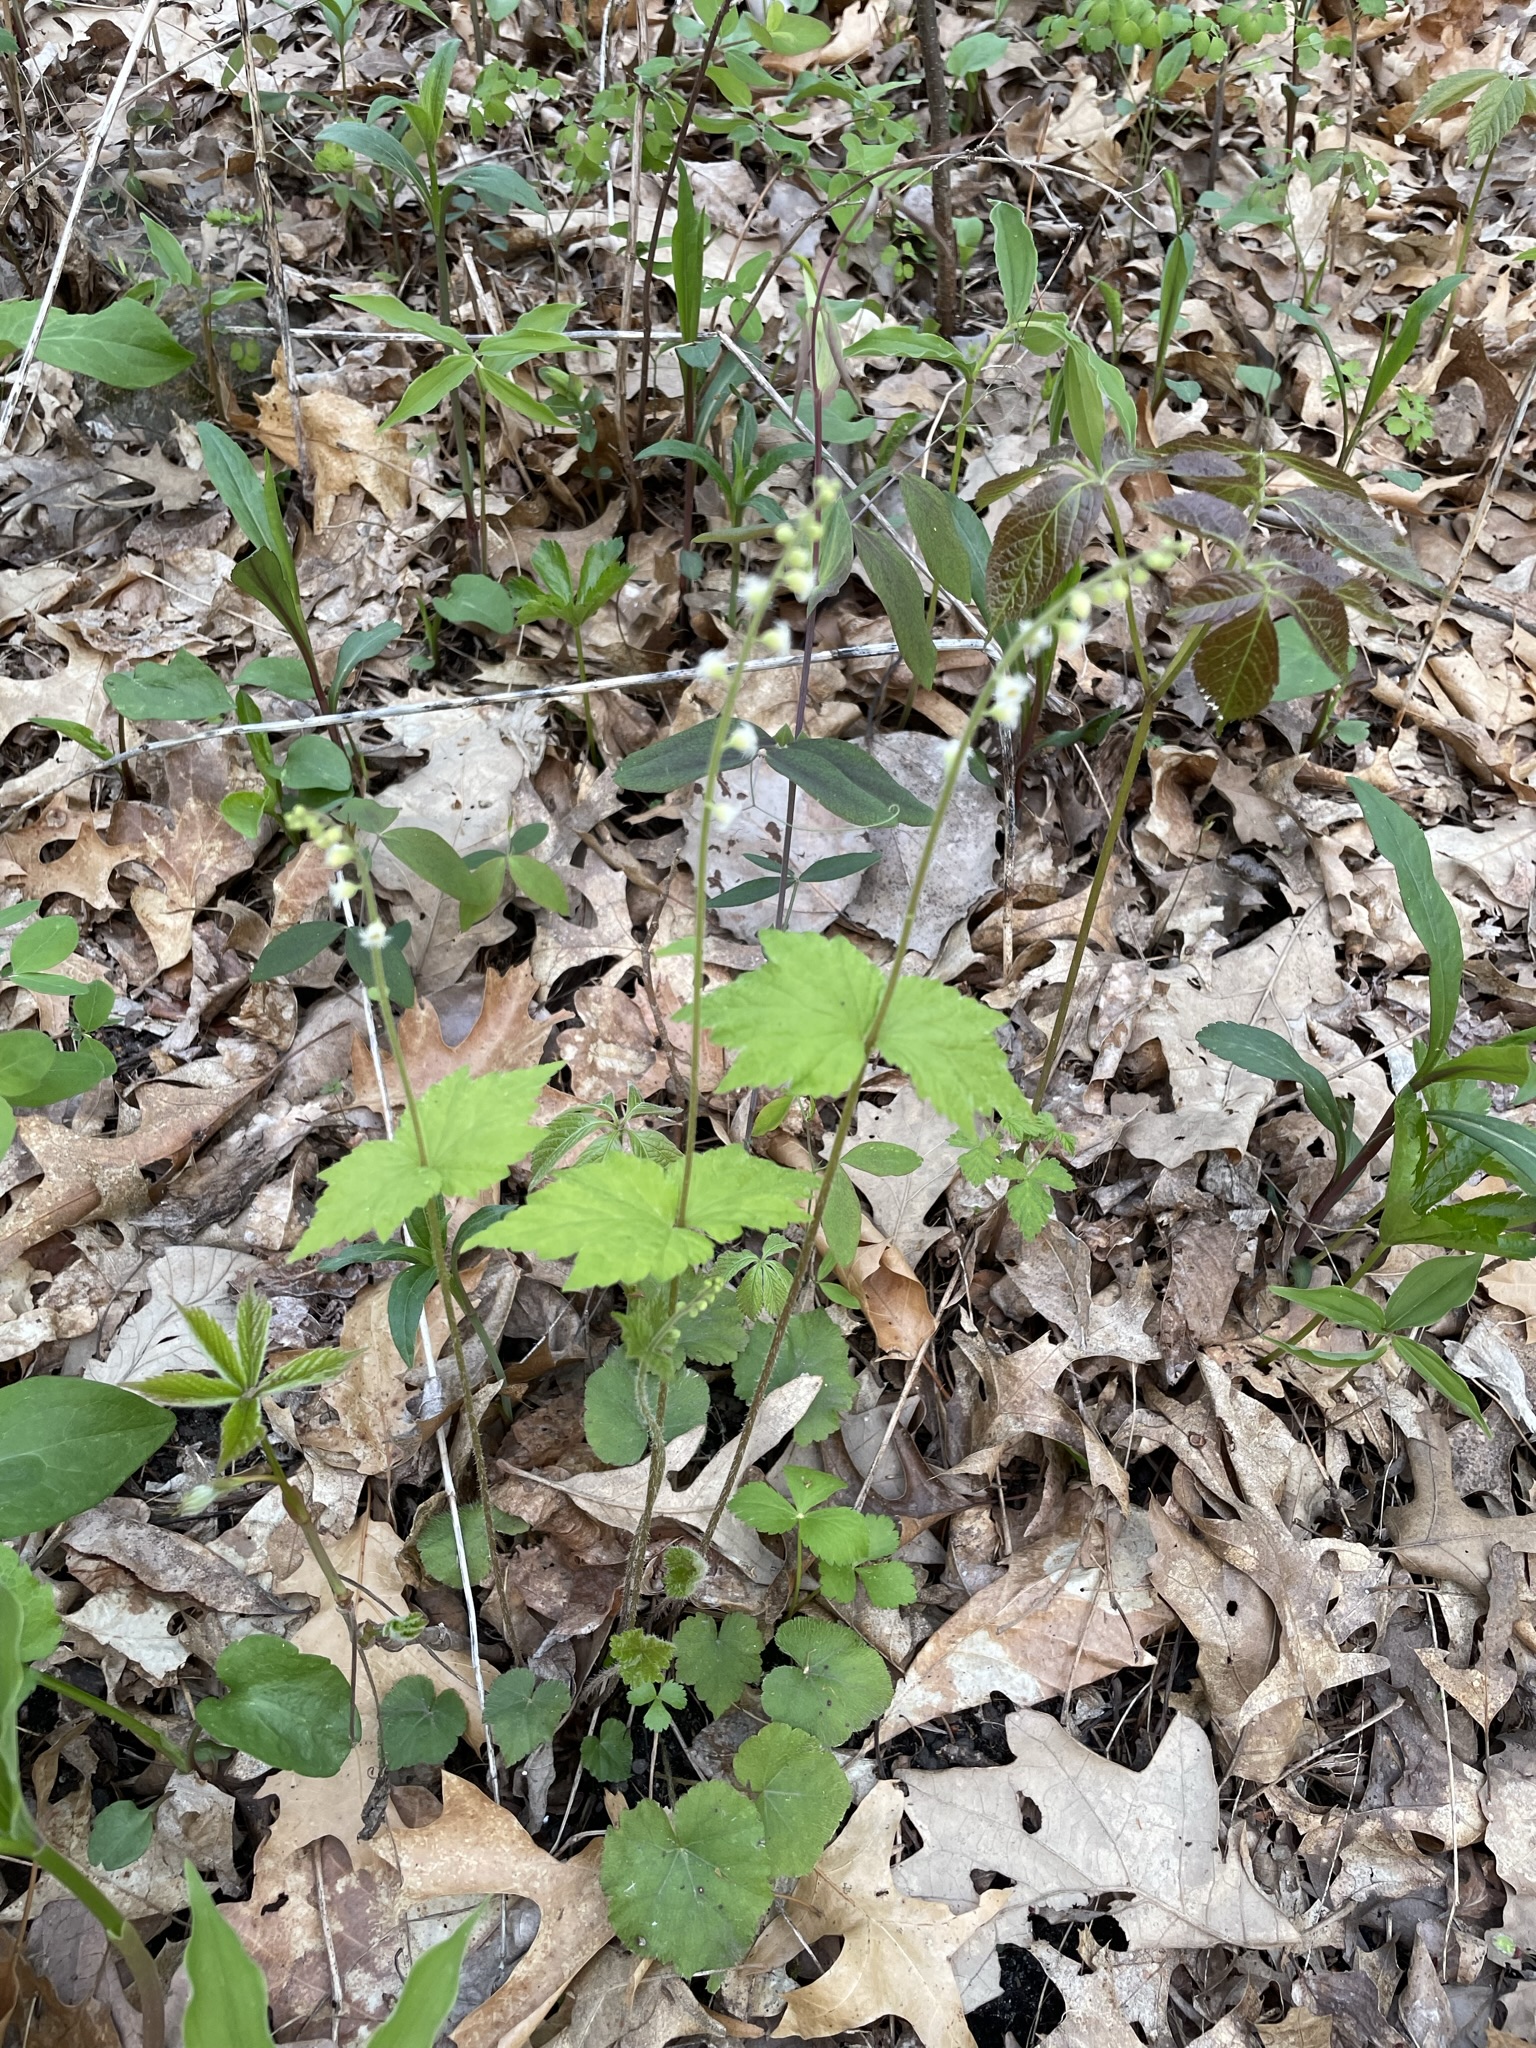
<point>848,782</point>
<point>1356,528</point>
<point>1258,1051</point>
<point>1427,905</point>
<point>683,757</point>
<point>889,572</point>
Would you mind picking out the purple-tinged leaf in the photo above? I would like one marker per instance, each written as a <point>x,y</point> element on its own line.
<point>1237,664</point>
<point>1203,513</point>
<point>1038,544</point>
<point>1222,595</point>
<point>1322,617</point>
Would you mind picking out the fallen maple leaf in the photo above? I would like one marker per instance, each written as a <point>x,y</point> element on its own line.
<point>477,1846</point>
<point>1152,1834</point>
<point>505,1035</point>
<point>896,1951</point>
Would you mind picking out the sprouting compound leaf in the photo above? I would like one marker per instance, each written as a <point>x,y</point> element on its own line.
<point>689,1888</point>
<point>418,1724</point>
<point>120,1834</point>
<point>683,1571</point>
<point>1430,1366</point>
<point>763,1508</point>
<point>428,1994</point>
<point>812,1344</point>
<point>1427,906</point>
<point>522,1711</point>
<point>41,1629</point>
<point>439,1553</point>
<point>609,1755</point>
<point>888,570</point>
<point>848,782</point>
<point>800,1791</point>
<point>1237,664</point>
<point>683,757</point>
<point>611,1415</point>
<point>474,1128</point>
<point>1501,105</point>
<point>294,948</point>
<point>834,1684</point>
<point>228,2006</point>
<point>1039,543</point>
<point>292,1710</point>
<point>719,1663</point>
<point>479,601</point>
<point>1267,1054</point>
<point>67,1444</point>
<point>800,1021</point>
<point>1430,1290</point>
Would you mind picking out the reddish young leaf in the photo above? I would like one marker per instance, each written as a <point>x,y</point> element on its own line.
<point>1038,543</point>
<point>1322,617</point>
<point>1237,664</point>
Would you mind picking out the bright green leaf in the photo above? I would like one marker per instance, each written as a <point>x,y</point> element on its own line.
<point>799,1790</point>
<point>120,1834</point>
<point>834,1684</point>
<point>522,1712</point>
<point>292,1710</point>
<point>228,2006</point>
<point>719,1663</point>
<point>418,1724</point>
<point>689,1888</point>
<point>66,1444</point>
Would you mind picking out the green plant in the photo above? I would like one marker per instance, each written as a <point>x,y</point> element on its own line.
<point>33,1070</point>
<point>208,297</point>
<point>1361,393</point>
<point>548,591</point>
<point>1442,1134</point>
<point>848,1546</point>
<point>124,345</point>
<point>341,18</point>
<point>1501,100</point>
<point>739,474</point>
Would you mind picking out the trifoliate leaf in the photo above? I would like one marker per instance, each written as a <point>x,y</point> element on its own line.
<point>292,1710</point>
<point>719,1663</point>
<point>41,1629</point>
<point>889,1584</point>
<point>835,1684</point>
<point>609,1754</point>
<point>801,1020</point>
<point>947,1044</point>
<point>812,1343</point>
<point>844,1536</point>
<point>120,1834</point>
<point>689,1888</point>
<point>474,1127</point>
<point>521,1712</point>
<point>800,1792</point>
<point>810,1487</point>
<point>418,1724</point>
<point>764,1509</point>
<point>614,1425</point>
<point>614,1217</point>
<point>732,1191</point>
<point>641,1659</point>
<point>1029,1199</point>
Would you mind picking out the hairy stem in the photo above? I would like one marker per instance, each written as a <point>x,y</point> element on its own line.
<point>297,1510</point>
<point>1150,703</point>
<point>960,751</point>
<point>634,1570</point>
<point>936,85</point>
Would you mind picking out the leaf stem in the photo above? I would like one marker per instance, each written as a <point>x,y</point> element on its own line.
<point>162,1745</point>
<point>120,1931</point>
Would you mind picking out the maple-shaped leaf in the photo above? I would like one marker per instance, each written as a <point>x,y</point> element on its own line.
<point>522,1711</point>
<point>812,1343</point>
<point>947,1043</point>
<point>719,1663</point>
<point>800,1791</point>
<point>731,1191</point>
<point>689,1887</point>
<point>614,1217</point>
<point>474,1128</point>
<point>801,1020</point>
<point>896,1950</point>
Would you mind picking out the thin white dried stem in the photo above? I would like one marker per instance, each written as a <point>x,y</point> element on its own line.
<point>428,706</point>
<point>102,129</point>
<point>277,291</point>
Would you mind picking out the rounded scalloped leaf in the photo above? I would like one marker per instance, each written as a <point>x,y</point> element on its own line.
<point>522,1712</point>
<point>418,1724</point>
<point>800,1791</point>
<point>835,1684</point>
<point>291,1710</point>
<point>689,1887</point>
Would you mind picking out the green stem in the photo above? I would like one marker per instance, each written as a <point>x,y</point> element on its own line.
<point>162,1745</point>
<point>960,754</point>
<point>297,1510</point>
<point>445,1281</point>
<point>1153,699</point>
<point>634,1570</point>
<point>120,1931</point>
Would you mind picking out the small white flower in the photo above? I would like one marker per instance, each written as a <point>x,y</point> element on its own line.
<point>799,583</point>
<point>1079,604</point>
<point>198,1498</point>
<point>374,936</point>
<point>342,891</point>
<point>755,591</point>
<point>1008,699</point>
<point>336,856</point>
<point>951,754</point>
<point>714,668</point>
<point>775,640</point>
<point>723,812</point>
<point>743,739</point>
